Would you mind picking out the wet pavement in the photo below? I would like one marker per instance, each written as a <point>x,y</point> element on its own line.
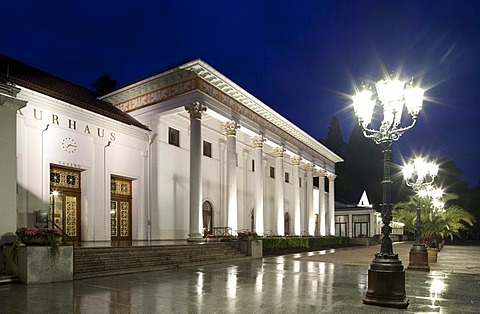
<point>314,282</point>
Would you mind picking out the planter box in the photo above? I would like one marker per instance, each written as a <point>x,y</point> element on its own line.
<point>35,264</point>
<point>432,255</point>
<point>250,248</point>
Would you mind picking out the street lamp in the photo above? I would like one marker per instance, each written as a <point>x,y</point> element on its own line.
<point>419,174</point>
<point>386,276</point>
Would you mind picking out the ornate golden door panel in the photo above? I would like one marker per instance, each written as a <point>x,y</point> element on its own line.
<point>65,200</point>
<point>121,209</point>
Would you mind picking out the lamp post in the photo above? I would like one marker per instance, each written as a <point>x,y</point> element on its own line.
<point>419,174</point>
<point>386,276</point>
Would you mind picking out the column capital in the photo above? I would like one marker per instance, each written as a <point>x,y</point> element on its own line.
<point>196,110</point>
<point>295,160</point>
<point>231,127</point>
<point>310,167</point>
<point>331,176</point>
<point>278,151</point>
<point>258,141</point>
<point>321,172</point>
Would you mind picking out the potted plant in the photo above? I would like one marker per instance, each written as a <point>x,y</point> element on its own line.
<point>40,236</point>
<point>437,223</point>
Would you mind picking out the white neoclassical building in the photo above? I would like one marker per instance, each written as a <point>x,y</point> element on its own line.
<point>174,156</point>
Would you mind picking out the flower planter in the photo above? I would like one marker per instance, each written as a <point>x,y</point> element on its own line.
<point>432,255</point>
<point>38,240</point>
<point>36,264</point>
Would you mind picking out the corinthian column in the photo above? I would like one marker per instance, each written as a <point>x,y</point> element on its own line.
<point>278,152</point>
<point>296,194</point>
<point>309,226</point>
<point>259,183</point>
<point>196,111</point>
<point>331,203</point>
<point>321,200</point>
<point>231,132</point>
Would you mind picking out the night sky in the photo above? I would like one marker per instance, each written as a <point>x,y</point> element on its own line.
<point>301,58</point>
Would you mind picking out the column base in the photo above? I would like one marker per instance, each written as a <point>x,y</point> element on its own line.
<point>386,283</point>
<point>418,258</point>
<point>195,237</point>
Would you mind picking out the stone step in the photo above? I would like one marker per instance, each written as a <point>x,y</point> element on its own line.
<point>95,262</point>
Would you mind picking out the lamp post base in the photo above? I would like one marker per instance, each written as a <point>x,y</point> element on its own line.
<point>386,283</point>
<point>419,258</point>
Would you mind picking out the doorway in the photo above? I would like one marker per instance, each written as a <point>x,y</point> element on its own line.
<point>120,209</point>
<point>65,193</point>
<point>207,215</point>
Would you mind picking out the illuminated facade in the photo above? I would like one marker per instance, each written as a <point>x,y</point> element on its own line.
<point>173,156</point>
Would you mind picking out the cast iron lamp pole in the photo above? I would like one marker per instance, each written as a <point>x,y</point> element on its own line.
<point>386,276</point>
<point>419,175</point>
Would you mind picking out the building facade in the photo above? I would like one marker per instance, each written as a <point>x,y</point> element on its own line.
<point>175,156</point>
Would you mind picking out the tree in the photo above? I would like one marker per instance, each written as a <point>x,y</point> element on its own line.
<point>436,223</point>
<point>104,85</point>
<point>334,138</point>
<point>335,143</point>
<point>364,163</point>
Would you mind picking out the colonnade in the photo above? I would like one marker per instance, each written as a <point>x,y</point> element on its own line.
<point>303,218</point>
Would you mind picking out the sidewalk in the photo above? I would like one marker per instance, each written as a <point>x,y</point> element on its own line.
<point>452,258</point>
<point>313,282</point>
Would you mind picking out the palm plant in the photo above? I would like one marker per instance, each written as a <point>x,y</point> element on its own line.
<point>436,223</point>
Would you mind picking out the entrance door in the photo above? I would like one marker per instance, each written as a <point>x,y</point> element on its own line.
<point>121,209</point>
<point>207,210</point>
<point>65,200</point>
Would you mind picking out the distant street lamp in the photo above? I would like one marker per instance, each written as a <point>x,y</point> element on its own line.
<point>386,276</point>
<point>419,174</point>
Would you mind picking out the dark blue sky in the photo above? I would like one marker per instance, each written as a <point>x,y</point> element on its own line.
<point>299,57</point>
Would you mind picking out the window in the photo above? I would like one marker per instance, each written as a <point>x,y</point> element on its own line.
<point>341,226</point>
<point>174,137</point>
<point>287,177</point>
<point>360,225</point>
<point>253,165</point>
<point>300,182</point>
<point>272,172</point>
<point>207,149</point>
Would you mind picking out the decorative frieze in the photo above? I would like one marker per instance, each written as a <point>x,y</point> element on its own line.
<point>157,96</point>
<point>231,127</point>
<point>196,110</point>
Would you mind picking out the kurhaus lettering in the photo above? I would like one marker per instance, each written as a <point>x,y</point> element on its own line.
<point>70,123</point>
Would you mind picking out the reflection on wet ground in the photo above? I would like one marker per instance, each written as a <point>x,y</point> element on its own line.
<point>285,284</point>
